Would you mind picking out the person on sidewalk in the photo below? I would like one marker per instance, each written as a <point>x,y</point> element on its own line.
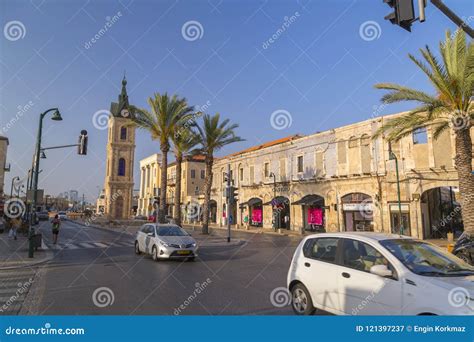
<point>246,222</point>
<point>56,222</point>
<point>14,224</point>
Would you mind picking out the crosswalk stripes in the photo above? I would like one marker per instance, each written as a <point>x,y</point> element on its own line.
<point>14,286</point>
<point>87,245</point>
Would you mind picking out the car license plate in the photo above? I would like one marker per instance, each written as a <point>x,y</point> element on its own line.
<point>184,252</point>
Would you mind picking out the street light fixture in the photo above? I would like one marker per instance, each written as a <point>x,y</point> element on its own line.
<point>57,116</point>
<point>393,156</point>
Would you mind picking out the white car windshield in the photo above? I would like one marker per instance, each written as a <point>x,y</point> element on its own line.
<point>171,231</point>
<point>425,259</point>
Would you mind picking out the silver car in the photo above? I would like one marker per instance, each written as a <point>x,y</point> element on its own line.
<point>165,241</point>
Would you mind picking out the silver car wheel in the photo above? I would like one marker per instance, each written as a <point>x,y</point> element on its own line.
<point>154,253</point>
<point>300,301</point>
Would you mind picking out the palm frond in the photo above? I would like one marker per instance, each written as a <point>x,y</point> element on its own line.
<point>452,77</point>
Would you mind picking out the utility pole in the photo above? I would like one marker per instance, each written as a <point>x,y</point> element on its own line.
<point>274,196</point>
<point>228,194</point>
<point>393,156</point>
<point>453,17</point>
<point>56,117</point>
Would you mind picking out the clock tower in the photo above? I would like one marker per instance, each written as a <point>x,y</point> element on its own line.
<point>120,157</point>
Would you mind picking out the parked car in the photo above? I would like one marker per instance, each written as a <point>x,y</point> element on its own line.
<point>62,215</point>
<point>464,248</point>
<point>378,274</point>
<point>43,216</point>
<point>164,241</point>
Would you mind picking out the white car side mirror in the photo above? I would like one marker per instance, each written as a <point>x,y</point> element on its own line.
<point>381,270</point>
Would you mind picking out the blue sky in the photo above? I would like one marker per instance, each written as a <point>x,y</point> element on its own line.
<point>321,69</point>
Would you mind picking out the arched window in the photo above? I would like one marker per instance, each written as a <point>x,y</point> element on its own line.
<point>353,142</point>
<point>121,167</point>
<point>123,133</point>
<point>365,140</point>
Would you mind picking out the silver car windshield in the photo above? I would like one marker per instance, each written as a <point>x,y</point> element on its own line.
<point>171,231</point>
<point>427,260</point>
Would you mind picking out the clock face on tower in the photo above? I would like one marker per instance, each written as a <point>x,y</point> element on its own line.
<point>125,113</point>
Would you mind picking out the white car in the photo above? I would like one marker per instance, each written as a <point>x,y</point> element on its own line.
<point>62,215</point>
<point>378,274</point>
<point>164,241</point>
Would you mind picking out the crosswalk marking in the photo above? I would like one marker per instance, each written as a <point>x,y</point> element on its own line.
<point>14,286</point>
<point>87,245</point>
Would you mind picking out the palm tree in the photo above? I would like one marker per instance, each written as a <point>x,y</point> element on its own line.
<point>184,141</point>
<point>451,107</point>
<point>213,135</point>
<point>165,118</point>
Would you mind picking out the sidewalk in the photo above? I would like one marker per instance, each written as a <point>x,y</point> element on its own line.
<point>280,232</point>
<point>14,253</point>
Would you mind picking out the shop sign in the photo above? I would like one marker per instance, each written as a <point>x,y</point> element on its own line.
<point>366,207</point>
<point>394,207</point>
<point>281,189</point>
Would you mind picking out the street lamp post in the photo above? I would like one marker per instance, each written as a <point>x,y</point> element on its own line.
<point>56,117</point>
<point>393,156</point>
<point>13,183</point>
<point>275,219</point>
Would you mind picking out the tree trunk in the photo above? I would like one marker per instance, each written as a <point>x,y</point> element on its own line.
<point>163,182</point>
<point>177,193</point>
<point>207,194</point>
<point>463,162</point>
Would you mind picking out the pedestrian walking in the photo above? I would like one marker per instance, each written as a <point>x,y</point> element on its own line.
<point>246,221</point>
<point>14,225</point>
<point>56,222</point>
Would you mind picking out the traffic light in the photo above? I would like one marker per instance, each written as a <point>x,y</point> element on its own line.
<point>403,13</point>
<point>234,195</point>
<point>82,145</point>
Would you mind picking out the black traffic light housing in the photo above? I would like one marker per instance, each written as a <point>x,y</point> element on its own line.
<point>233,195</point>
<point>82,145</point>
<point>403,13</point>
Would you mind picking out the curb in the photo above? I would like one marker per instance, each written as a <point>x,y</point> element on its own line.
<point>24,264</point>
<point>250,231</point>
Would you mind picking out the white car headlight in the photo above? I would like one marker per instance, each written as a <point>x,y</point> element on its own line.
<point>164,244</point>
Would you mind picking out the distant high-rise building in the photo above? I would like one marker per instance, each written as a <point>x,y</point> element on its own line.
<point>73,195</point>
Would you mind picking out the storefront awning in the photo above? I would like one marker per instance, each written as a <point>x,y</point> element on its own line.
<point>310,200</point>
<point>277,201</point>
<point>251,202</point>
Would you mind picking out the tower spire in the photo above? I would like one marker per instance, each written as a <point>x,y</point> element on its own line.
<point>123,97</point>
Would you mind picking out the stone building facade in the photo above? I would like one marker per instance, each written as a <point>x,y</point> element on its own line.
<point>149,184</point>
<point>343,180</point>
<point>118,185</point>
<point>192,185</point>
